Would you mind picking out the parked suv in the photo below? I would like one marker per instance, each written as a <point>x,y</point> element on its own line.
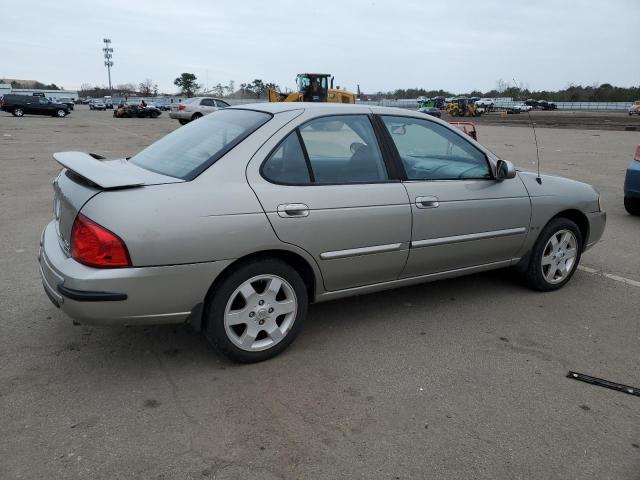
<point>97,105</point>
<point>19,105</point>
<point>194,108</point>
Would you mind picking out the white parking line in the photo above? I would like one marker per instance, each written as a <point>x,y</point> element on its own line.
<point>617,278</point>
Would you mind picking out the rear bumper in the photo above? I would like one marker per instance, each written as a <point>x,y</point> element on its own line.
<point>597,222</point>
<point>122,296</point>
<point>632,180</point>
<point>180,115</point>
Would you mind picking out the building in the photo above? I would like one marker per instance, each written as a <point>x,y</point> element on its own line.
<point>5,88</point>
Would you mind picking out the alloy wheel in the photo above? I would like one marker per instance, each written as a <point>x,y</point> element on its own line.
<point>260,313</point>
<point>559,256</point>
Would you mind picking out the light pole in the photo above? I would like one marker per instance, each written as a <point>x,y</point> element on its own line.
<point>108,55</point>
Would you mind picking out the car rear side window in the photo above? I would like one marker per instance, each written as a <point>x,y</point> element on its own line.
<point>287,163</point>
<point>189,150</point>
<point>340,149</point>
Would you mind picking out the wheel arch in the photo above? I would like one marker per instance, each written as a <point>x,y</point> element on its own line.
<point>579,218</point>
<point>576,216</point>
<point>310,277</point>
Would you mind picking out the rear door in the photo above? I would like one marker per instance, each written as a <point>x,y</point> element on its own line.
<point>462,216</point>
<point>207,105</point>
<point>326,188</point>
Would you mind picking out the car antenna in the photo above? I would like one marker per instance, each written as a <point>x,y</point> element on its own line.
<point>535,138</point>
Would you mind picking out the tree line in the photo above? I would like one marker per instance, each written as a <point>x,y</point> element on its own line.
<point>572,93</point>
<point>189,86</point>
<point>31,84</point>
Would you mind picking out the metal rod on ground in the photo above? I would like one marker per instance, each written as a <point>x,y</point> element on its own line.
<point>604,383</point>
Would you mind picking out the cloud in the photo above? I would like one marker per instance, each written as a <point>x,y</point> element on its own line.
<point>380,45</point>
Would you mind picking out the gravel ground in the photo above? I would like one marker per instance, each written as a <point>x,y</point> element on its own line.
<point>462,378</point>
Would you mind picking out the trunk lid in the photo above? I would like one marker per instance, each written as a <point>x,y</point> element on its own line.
<point>86,175</point>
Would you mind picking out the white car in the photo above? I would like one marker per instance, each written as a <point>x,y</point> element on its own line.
<point>485,102</point>
<point>522,107</point>
<point>193,108</point>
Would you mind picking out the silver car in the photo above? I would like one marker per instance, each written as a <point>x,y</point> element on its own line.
<point>237,222</point>
<point>193,108</point>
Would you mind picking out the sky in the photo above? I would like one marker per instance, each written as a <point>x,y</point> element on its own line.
<point>454,45</point>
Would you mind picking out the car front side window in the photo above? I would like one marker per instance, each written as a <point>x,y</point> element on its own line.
<point>430,151</point>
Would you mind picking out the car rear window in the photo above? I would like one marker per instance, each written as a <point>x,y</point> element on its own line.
<point>189,150</point>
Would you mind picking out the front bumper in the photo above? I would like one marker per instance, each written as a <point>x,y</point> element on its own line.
<point>597,222</point>
<point>632,180</point>
<point>122,296</point>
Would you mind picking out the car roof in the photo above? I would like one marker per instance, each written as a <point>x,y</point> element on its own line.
<point>324,107</point>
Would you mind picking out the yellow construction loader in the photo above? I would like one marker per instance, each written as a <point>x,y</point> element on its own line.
<point>313,87</point>
<point>462,107</point>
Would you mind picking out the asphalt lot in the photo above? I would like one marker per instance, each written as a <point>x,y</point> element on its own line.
<point>463,378</point>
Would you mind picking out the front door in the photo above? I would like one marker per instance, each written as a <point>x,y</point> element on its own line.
<point>326,188</point>
<point>462,216</point>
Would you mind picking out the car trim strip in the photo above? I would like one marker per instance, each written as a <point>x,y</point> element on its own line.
<point>401,282</point>
<point>88,296</point>
<point>430,242</point>
<point>355,252</point>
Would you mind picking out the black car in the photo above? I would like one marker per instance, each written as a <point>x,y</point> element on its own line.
<point>547,105</point>
<point>66,101</point>
<point>433,111</point>
<point>19,105</point>
<point>541,104</point>
<point>136,111</point>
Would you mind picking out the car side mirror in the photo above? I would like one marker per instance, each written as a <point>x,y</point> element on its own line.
<point>505,170</point>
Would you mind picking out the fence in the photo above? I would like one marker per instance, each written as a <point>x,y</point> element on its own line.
<point>411,103</point>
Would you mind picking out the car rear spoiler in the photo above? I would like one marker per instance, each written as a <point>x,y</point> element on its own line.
<point>96,171</point>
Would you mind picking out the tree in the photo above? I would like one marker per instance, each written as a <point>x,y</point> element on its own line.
<point>256,87</point>
<point>218,90</point>
<point>230,88</point>
<point>187,84</point>
<point>147,88</point>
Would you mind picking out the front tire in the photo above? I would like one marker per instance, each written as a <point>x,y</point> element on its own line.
<point>256,311</point>
<point>632,205</point>
<point>60,113</point>
<point>555,255</point>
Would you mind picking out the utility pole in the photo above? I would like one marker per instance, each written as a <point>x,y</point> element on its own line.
<point>108,55</point>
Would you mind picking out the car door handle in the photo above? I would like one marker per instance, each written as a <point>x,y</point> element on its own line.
<point>427,202</point>
<point>293,210</point>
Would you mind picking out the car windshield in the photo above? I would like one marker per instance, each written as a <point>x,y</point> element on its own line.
<point>188,151</point>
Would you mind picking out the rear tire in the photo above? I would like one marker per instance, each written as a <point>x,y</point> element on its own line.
<point>183,122</point>
<point>256,310</point>
<point>196,116</point>
<point>632,205</point>
<point>555,256</point>
<point>18,112</point>
<point>153,115</point>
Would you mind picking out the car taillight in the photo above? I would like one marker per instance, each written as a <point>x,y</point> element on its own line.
<point>637,155</point>
<point>96,246</point>
<point>181,107</point>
